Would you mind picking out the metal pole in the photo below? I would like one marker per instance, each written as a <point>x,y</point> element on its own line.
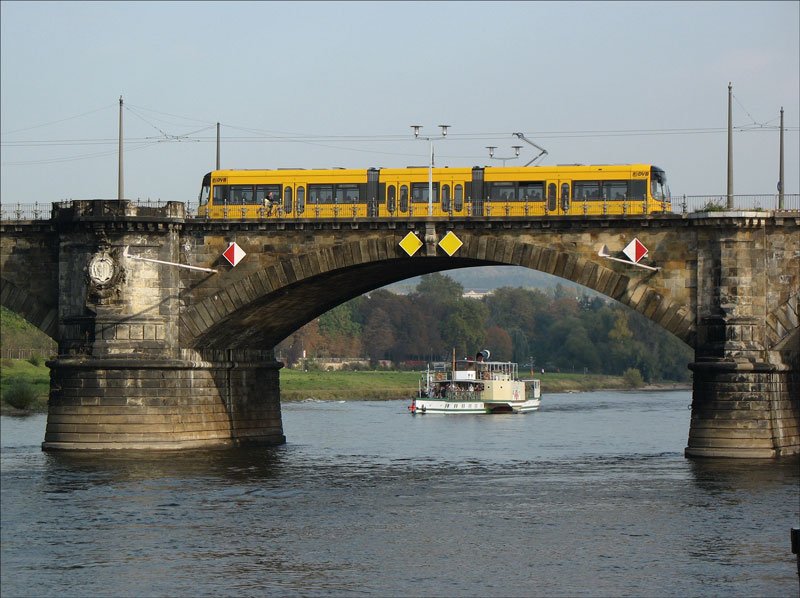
<point>430,183</point>
<point>217,146</point>
<point>780,169</point>
<point>730,149</point>
<point>120,179</point>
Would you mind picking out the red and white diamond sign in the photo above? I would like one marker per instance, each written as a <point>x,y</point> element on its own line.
<point>234,253</point>
<point>635,251</point>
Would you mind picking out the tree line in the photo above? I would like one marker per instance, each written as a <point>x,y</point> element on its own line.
<point>555,330</point>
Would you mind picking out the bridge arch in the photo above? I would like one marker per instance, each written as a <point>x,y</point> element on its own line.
<point>263,308</point>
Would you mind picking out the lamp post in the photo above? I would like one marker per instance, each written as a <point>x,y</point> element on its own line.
<point>516,149</point>
<point>430,166</point>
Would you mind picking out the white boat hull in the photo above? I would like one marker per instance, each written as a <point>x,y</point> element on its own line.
<point>426,406</point>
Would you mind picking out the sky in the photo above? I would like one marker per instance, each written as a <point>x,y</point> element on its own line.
<point>338,84</point>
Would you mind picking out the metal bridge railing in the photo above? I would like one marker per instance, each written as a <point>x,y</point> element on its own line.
<point>684,204</point>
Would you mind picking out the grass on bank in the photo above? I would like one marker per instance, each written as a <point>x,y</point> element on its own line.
<point>21,380</point>
<point>24,385</point>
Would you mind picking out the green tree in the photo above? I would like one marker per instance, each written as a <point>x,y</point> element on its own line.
<point>378,335</point>
<point>498,341</point>
<point>464,327</point>
<point>339,321</point>
<point>441,288</point>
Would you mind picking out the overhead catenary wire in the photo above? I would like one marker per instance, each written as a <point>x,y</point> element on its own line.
<point>258,135</point>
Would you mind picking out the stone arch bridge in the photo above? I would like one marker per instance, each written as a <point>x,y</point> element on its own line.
<point>153,356</point>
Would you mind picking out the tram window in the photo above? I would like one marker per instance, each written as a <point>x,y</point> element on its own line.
<point>319,194</point>
<point>221,194</point>
<point>638,188</point>
<point>419,192</point>
<point>404,198</point>
<point>564,191</point>
<point>268,192</point>
<point>301,199</point>
<point>202,199</point>
<point>391,202</point>
<point>347,194</point>
<point>586,190</point>
<point>615,189</point>
<point>241,195</point>
<point>446,198</point>
<point>531,191</point>
<point>501,191</point>
<point>459,198</point>
<point>287,200</point>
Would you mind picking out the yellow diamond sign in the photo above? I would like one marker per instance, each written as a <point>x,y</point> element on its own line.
<point>411,244</point>
<point>450,243</point>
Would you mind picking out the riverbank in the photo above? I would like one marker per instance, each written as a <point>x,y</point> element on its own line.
<point>380,385</point>
<point>297,385</point>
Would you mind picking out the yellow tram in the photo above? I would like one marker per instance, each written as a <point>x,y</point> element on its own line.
<point>392,193</point>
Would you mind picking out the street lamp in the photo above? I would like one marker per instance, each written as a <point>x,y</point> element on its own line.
<point>516,149</point>
<point>430,166</point>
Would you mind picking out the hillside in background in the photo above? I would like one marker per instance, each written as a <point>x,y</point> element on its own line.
<point>487,278</point>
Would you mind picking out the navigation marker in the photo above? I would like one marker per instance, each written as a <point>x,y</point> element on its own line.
<point>234,253</point>
<point>450,243</point>
<point>604,253</point>
<point>410,244</point>
<point>635,251</point>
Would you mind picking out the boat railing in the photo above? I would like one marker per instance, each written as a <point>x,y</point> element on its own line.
<point>458,395</point>
<point>488,370</point>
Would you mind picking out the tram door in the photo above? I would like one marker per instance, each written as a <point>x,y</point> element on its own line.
<point>564,196</point>
<point>558,197</point>
<point>552,198</point>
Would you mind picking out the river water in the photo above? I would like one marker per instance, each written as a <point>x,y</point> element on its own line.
<point>590,496</point>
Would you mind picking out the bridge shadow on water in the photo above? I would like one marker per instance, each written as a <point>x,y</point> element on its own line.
<point>70,471</point>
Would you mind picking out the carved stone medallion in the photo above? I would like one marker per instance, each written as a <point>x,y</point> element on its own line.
<point>102,269</point>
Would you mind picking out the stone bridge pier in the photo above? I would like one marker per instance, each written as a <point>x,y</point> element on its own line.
<point>122,379</point>
<point>746,373</point>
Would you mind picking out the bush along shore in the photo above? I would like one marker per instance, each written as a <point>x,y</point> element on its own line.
<point>24,385</point>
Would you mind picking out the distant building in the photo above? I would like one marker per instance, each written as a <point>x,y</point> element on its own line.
<point>476,294</point>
